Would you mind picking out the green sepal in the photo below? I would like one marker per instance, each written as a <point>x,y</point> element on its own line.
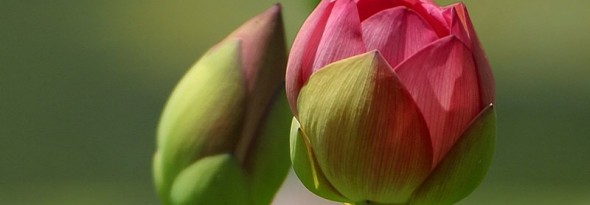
<point>211,180</point>
<point>202,116</point>
<point>464,167</point>
<point>267,163</point>
<point>307,169</point>
<point>367,134</point>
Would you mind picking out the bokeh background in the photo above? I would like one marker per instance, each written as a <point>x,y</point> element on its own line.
<point>82,84</point>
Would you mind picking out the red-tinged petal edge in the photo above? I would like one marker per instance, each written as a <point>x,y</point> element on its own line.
<point>434,14</point>
<point>342,37</point>
<point>464,167</point>
<point>303,51</point>
<point>458,28</point>
<point>484,71</point>
<point>442,79</point>
<point>262,34</point>
<point>369,136</point>
<point>426,8</point>
<point>397,33</point>
<point>264,56</point>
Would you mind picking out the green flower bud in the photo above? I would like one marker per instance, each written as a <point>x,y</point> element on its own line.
<point>220,138</point>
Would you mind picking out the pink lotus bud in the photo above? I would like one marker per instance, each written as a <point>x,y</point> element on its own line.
<point>393,102</point>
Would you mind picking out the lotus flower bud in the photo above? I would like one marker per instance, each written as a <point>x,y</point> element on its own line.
<point>220,138</point>
<point>392,102</point>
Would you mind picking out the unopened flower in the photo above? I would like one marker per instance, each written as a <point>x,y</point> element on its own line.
<point>219,138</point>
<point>393,102</point>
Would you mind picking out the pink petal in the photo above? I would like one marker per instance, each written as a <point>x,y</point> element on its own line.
<point>425,8</point>
<point>456,26</point>
<point>367,8</point>
<point>342,37</point>
<point>434,15</point>
<point>397,33</point>
<point>303,51</point>
<point>442,79</point>
<point>484,71</point>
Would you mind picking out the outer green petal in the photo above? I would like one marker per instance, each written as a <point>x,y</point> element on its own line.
<point>203,115</point>
<point>211,180</point>
<point>465,165</point>
<point>268,163</point>
<point>368,135</point>
<point>306,168</point>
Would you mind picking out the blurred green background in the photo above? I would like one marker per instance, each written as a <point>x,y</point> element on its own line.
<point>82,84</point>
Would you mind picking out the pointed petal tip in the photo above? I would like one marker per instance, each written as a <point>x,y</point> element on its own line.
<point>263,46</point>
<point>459,26</point>
<point>376,57</point>
<point>487,110</point>
<point>375,54</point>
<point>274,11</point>
<point>270,16</point>
<point>269,20</point>
<point>277,6</point>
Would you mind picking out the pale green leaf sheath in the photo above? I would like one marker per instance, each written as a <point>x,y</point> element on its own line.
<point>464,167</point>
